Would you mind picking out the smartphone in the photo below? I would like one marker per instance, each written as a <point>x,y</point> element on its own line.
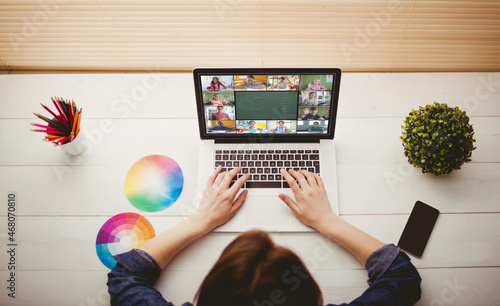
<point>418,228</point>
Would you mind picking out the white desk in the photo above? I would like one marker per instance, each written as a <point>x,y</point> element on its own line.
<point>62,201</point>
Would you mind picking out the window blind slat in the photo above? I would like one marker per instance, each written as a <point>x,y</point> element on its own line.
<point>134,35</point>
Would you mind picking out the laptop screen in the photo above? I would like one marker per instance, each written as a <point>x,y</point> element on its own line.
<point>284,103</point>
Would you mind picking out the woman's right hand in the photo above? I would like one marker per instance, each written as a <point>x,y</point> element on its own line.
<point>312,207</point>
<point>220,202</point>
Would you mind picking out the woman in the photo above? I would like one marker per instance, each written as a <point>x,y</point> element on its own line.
<point>218,100</point>
<point>316,85</point>
<point>215,85</point>
<point>253,270</point>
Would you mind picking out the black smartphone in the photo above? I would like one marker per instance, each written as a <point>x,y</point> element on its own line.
<point>418,228</point>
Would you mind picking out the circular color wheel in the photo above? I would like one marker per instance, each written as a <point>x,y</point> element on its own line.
<point>154,183</point>
<point>121,233</point>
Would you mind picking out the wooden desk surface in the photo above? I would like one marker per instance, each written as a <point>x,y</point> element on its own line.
<point>63,200</point>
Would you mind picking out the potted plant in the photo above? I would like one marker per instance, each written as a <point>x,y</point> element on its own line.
<point>438,138</point>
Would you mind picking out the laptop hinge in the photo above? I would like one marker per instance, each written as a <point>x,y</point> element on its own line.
<point>264,141</point>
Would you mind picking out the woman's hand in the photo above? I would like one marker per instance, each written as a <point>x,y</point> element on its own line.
<point>218,204</point>
<point>312,206</point>
<point>217,207</point>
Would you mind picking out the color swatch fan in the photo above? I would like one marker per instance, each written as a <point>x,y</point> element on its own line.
<point>121,233</point>
<point>154,183</point>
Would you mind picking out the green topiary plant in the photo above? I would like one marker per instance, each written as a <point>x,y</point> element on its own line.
<point>438,138</point>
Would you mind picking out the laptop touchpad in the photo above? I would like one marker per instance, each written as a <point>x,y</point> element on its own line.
<point>266,210</point>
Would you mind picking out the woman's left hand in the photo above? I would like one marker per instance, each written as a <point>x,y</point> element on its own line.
<point>218,204</point>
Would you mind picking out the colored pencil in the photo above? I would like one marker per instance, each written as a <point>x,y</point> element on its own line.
<point>75,121</point>
<point>60,110</point>
<point>61,140</point>
<point>49,131</point>
<point>78,123</point>
<point>42,126</point>
<point>48,109</point>
<point>52,123</point>
<point>52,137</point>
<point>70,111</point>
<point>48,127</point>
<point>65,124</point>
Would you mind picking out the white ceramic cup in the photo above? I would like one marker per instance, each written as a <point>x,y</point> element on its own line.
<point>78,146</point>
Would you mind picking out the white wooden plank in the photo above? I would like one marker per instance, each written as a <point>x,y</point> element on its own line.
<point>101,95</point>
<point>396,94</point>
<point>439,286</point>
<point>58,243</point>
<point>82,288</point>
<point>458,240</point>
<point>394,188</point>
<point>122,142</point>
<point>109,142</point>
<point>376,140</point>
<point>449,286</point>
<point>363,189</point>
<point>85,190</point>
<point>158,95</point>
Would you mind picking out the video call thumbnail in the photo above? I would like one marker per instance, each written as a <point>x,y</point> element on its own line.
<point>312,126</point>
<point>221,126</point>
<point>283,82</point>
<point>219,112</point>
<point>217,83</point>
<point>282,126</point>
<point>314,98</point>
<point>316,82</point>
<point>250,82</point>
<point>218,98</point>
<point>250,126</point>
<point>314,113</point>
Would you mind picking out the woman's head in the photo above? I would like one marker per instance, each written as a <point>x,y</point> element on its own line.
<point>215,80</point>
<point>252,270</point>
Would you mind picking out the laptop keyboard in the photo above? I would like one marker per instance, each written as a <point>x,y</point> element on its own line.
<point>264,165</point>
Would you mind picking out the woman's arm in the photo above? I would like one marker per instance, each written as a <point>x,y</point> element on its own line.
<point>313,209</point>
<point>216,208</point>
<point>393,279</point>
<point>131,282</point>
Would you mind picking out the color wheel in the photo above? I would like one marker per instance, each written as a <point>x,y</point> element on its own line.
<point>120,234</point>
<point>154,183</point>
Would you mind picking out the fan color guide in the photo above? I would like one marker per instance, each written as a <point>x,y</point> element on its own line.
<point>120,234</point>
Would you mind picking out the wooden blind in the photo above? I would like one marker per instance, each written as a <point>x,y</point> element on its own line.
<point>159,35</point>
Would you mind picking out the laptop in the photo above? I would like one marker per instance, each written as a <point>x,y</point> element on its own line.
<point>264,119</point>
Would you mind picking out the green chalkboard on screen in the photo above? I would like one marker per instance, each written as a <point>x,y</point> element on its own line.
<point>266,105</point>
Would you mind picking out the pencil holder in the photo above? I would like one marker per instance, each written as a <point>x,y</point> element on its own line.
<point>78,146</point>
<point>63,130</point>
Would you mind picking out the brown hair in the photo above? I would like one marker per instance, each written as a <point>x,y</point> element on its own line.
<point>252,270</point>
